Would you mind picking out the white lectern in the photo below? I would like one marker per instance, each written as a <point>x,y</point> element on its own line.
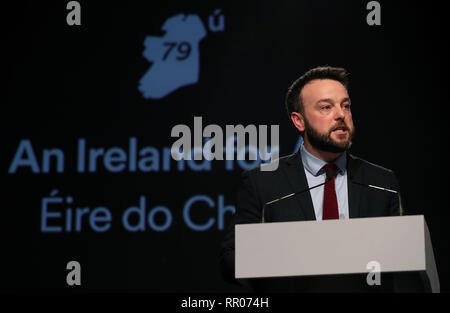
<point>280,249</point>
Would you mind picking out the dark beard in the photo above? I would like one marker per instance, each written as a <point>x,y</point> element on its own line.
<point>324,142</point>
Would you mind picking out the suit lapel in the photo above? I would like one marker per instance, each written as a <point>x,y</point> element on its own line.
<point>296,176</point>
<point>354,190</point>
<point>295,173</point>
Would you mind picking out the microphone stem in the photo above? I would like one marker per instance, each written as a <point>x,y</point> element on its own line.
<point>288,196</point>
<point>400,206</point>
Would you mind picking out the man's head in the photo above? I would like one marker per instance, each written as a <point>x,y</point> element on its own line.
<point>319,106</point>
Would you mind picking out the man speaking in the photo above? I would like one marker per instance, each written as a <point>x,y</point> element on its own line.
<point>323,181</point>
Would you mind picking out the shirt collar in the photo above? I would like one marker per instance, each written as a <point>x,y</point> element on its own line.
<point>314,165</point>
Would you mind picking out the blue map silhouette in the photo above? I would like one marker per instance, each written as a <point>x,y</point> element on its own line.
<point>175,56</point>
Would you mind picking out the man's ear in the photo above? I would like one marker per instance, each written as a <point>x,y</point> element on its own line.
<point>298,121</point>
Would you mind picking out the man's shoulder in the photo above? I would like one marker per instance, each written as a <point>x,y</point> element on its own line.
<point>273,168</point>
<point>358,163</point>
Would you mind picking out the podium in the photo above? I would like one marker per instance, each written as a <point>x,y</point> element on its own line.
<point>331,247</point>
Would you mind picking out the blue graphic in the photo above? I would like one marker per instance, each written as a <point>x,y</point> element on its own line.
<point>175,56</point>
<point>299,143</point>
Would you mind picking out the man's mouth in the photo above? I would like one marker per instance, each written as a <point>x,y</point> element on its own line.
<point>340,130</point>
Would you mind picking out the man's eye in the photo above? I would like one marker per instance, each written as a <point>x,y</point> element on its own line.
<point>327,107</point>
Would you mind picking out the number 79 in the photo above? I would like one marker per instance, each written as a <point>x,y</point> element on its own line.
<point>183,49</point>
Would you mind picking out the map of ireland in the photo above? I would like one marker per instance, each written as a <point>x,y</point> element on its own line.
<point>175,56</point>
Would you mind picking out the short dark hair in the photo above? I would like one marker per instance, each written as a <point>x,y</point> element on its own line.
<point>293,101</point>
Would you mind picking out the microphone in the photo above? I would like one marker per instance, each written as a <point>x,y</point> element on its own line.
<point>329,174</point>
<point>384,189</point>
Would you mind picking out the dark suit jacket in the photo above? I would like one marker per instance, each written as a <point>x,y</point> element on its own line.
<point>259,187</point>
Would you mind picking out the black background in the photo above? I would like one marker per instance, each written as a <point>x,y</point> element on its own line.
<point>69,82</point>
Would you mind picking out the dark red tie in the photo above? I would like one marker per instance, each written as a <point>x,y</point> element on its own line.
<point>330,205</point>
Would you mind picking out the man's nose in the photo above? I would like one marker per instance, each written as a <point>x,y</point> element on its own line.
<point>340,115</point>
